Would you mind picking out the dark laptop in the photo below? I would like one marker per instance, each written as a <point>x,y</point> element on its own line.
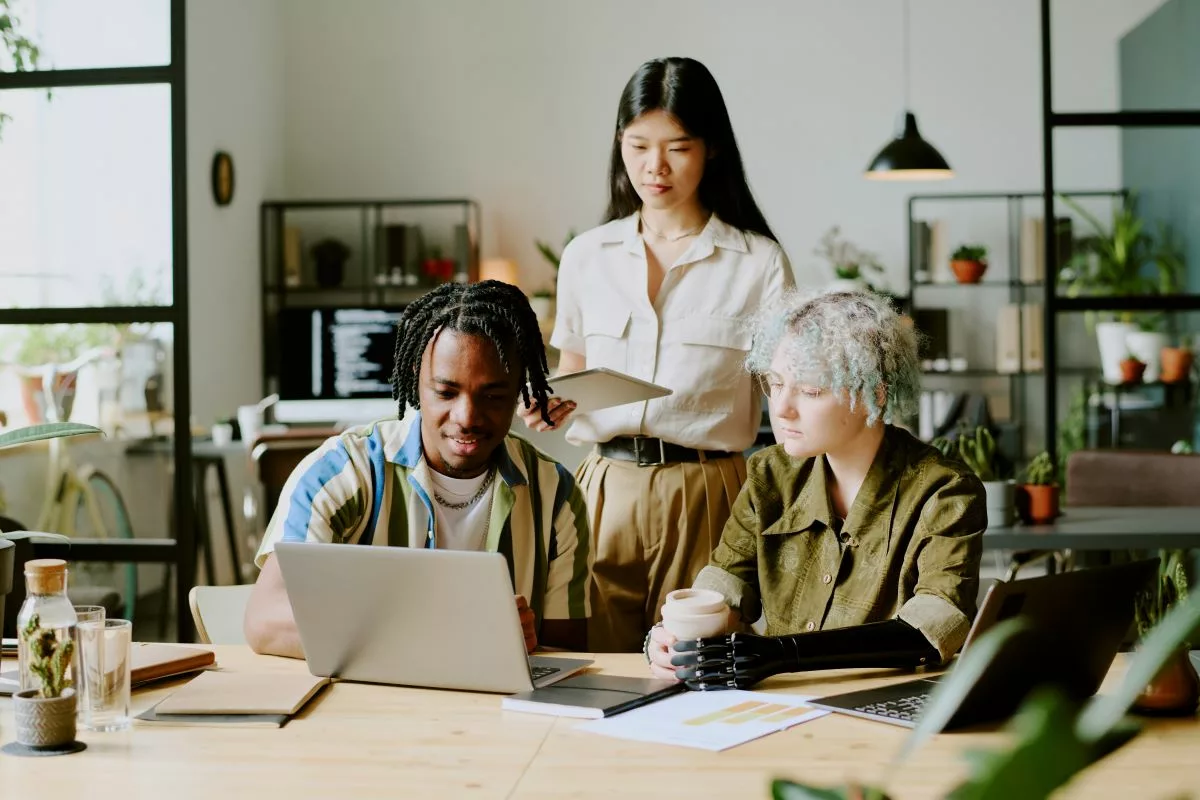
<point>1078,621</point>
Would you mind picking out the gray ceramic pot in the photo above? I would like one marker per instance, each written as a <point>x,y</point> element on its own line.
<point>1001,510</point>
<point>7,552</point>
<point>44,722</point>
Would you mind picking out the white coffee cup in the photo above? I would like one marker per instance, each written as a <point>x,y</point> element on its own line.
<point>695,613</point>
<point>222,434</point>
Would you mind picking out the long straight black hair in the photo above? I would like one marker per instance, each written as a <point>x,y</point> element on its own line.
<point>685,89</point>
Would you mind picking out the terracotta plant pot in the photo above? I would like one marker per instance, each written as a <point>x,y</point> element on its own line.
<point>1132,370</point>
<point>1037,505</point>
<point>1174,691</point>
<point>42,721</point>
<point>968,271</point>
<point>1176,364</point>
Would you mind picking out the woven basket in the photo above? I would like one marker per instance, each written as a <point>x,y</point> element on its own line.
<point>44,722</point>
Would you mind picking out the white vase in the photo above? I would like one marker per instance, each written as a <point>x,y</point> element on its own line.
<point>543,307</point>
<point>1147,346</point>
<point>847,285</point>
<point>1110,337</point>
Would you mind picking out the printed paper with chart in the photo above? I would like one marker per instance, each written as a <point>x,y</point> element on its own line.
<point>708,720</point>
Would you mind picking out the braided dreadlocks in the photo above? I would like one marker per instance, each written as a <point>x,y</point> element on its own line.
<point>494,310</point>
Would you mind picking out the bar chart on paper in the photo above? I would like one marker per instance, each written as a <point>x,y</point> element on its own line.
<point>708,720</point>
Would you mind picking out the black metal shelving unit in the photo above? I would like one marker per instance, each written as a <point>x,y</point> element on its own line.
<point>1054,304</point>
<point>1014,289</point>
<point>360,288</point>
<point>178,552</point>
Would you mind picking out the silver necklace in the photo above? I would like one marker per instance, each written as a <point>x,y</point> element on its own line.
<point>677,236</point>
<point>483,487</point>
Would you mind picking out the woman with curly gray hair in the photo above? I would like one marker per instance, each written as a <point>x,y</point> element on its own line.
<point>852,543</point>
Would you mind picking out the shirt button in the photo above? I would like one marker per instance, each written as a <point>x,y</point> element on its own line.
<point>845,537</point>
<point>810,626</point>
<point>826,579</point>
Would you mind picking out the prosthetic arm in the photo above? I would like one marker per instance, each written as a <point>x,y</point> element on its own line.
<point>739,660</point>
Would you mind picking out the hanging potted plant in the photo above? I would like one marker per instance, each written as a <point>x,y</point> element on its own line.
<point>1176,688</point>
<point>969,262</point>
<point>977,449</point>
<point>1121,259</point>
<point>1037,497</point>
<point>854,270</point>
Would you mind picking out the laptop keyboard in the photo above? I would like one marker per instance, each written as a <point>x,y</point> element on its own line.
<point>541,672</point>
<point>901,708</point>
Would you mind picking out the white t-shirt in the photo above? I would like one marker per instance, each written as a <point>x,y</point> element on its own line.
<point>462,528</point>
<point>693,339</point>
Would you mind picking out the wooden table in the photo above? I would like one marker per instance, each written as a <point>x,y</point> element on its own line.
<point>1104,528</point>
<point>358,740</point>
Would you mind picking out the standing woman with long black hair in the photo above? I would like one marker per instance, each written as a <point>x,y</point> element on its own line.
<point>661,291</point>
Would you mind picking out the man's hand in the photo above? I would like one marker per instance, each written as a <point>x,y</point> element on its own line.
<point>733,661</point>
<point>528,624</point>
<point>559,410</point>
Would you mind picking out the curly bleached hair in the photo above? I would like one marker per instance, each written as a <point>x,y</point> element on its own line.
<point>852,341</point>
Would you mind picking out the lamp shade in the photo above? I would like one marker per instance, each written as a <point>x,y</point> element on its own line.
<point>908,157</point>
<point>498,269</point>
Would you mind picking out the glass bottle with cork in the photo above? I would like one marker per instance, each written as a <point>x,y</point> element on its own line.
<point>46,609</point>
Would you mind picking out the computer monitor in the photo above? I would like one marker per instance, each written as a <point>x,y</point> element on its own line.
<point>336,353</point>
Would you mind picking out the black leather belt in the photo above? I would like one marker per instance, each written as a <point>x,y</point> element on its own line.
<point>650,452</point>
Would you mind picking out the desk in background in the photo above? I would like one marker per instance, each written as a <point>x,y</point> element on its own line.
<point>1104,528</point>
<point>360,740</point>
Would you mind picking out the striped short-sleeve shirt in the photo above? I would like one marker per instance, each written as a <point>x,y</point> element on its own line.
<point>371,485</point>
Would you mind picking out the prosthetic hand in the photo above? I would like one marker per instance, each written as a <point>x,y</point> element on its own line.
<point>740,660</point>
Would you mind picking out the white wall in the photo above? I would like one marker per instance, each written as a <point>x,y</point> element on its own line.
<point>235,103</point>
<point>513,103</point>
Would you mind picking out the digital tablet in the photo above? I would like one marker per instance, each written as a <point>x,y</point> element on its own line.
<point>594,389</point>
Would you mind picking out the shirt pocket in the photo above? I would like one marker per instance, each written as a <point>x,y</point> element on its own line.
<point>606,339</point>
<point>711,352</point>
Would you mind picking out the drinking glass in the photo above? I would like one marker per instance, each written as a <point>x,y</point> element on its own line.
<point>105,654</point>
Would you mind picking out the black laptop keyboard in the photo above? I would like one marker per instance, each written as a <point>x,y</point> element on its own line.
<point>901,708</point>
<point>540,672</point>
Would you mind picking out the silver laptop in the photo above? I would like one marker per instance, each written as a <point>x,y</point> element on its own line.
<point>442,619</point>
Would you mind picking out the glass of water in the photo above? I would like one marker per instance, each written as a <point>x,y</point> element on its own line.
<point>105,654</point>
<point>89,614</point>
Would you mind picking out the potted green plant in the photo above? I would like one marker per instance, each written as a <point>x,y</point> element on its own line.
<point>1175,689</point>
<point>1132,369</point>
<point>542,300</point>
<point>32,347</point>
<point>977,449</point>
<point>854,269</point>
<point>1120,259</point>
<point>1037,497</point>
<point>969,262</point>
<point>1051,738</point>
<point>45,716</point>
<point>1175,363</point>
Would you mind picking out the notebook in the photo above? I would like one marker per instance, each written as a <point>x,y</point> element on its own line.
<point>149,662</point>
<point>214,720</point>
<point>242,693</point>
<point>592,696</point>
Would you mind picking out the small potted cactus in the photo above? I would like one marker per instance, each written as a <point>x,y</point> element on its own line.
<point>969,262</point>
<point>45,715</point>
<point>1037,497</point>
<point>977,449</point>
<point>1132,369</point>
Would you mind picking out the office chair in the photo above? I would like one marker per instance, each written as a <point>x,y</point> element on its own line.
<point>218,611</point>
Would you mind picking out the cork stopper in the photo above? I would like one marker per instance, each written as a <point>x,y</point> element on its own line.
<point>46,575</point>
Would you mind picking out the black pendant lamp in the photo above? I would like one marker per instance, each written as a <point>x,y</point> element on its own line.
<point>908,157</point>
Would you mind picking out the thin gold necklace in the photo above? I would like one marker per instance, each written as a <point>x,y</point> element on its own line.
<point>677,236</point>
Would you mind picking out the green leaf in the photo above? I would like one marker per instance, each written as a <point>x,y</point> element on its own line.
<point>49,430</point>
<point>41,536</point>
<point>950,692</point>
<point>1104,711</point>
<point>1045,755</point>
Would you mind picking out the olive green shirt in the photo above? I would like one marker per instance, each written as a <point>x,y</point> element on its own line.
<point>909,547</point>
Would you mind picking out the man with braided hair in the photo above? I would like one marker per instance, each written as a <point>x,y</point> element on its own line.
<point>449,476</point>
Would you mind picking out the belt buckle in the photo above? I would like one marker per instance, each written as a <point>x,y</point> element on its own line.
<point>637,452</point>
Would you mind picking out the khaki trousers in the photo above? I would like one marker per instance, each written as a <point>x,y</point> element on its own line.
<point>653,530</point>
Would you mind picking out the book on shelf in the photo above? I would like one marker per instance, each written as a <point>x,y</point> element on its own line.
<point>1032,265</point>
<point>1031,337</point>
<point>1008,338</point>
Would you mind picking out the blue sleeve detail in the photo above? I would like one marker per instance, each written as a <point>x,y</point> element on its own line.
<point>300,505</point>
